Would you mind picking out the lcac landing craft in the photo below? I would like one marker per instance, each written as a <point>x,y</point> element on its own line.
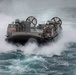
<point>23,31</point>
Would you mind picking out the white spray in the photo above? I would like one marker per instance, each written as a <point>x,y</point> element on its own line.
<point>50,49</point>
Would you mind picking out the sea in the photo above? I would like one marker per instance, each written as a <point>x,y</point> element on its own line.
<point>52,58</point>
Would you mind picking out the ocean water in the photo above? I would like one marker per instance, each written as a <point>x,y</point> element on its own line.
<point>56,58</point>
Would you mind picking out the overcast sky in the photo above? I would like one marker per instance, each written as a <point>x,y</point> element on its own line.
<point>42,3</point>
<point>53,2</point>
<point>30,7</point>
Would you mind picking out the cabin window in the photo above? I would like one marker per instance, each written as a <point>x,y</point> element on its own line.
<point>9,26</point>
<point>14,26</point>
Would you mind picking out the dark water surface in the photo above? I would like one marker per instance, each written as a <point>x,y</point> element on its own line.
<point>16,63</point>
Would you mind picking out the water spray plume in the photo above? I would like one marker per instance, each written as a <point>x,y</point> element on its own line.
<point>55,48</point>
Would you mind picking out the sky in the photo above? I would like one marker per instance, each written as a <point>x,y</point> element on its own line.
<point>39,3</point>
<point>35,5</point>
<point>30,7</point>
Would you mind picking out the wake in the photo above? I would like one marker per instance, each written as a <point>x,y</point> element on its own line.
<point>50,49</point>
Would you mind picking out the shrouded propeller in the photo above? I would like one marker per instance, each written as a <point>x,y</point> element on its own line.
<point>32,20</point>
